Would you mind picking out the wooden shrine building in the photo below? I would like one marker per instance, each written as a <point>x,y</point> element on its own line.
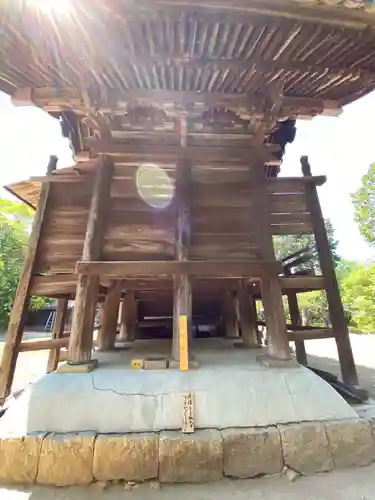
<point>178,113</point>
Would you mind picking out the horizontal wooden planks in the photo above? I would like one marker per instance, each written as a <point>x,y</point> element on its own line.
<point>235,269</point>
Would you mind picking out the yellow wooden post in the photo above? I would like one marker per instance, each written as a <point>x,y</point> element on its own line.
<point>184,348</point>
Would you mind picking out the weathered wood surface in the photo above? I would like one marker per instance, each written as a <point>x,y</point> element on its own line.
<point>230,269</point>
<point>57,332</point>
<point>81,337</point>
<point>336,310</point>
<point>109,314</point>
<point>39,345</point>
<point>17,318</point>
<point>128,318</point>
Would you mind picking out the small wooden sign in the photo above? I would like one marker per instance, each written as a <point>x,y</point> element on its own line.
<point>188,414</point>
<point>184,347</point>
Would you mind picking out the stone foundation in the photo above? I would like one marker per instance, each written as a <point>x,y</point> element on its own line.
<point>170,456</point>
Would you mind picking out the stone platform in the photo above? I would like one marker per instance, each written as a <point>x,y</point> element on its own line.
<point>119,423</point>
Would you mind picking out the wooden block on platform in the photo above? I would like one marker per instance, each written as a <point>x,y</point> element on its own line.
<point>270,362</point>
<point>155,363</point>
<point>78,368</point>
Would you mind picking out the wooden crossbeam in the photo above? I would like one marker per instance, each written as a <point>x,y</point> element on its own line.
<point>54,100</point>
<point>44,344</point>
<point>215,154</point>
<point>227,269</point>
<point>321,333</point>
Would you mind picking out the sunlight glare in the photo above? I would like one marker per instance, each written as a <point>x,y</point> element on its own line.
<point>52,6</point>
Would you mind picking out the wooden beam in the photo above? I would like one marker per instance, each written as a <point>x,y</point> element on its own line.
<point>278,346</point>
<point>57,332</point>
<point>219,269</point>
<point>107,333</point>
<point>54,99</point>
<point>195,154</point>
<point>182,296</point>
<point>247,317</point>
<point>81,338</point>
<point>318,333</point>
<point>128,318</point>
<point>229,315</point>
<point>17,318</point>
<point>338,321</point>
<point>295,318</point>
<point>40,345</point>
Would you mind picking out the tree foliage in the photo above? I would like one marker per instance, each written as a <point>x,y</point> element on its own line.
<point>289,244</point>
<point>358,296</point>
<point>364,206</point>
<point>15,221</point>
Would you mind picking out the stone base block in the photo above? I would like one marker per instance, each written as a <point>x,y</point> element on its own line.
<point>155,363</point>
<point>193,364</point>
<point>19,459</point>
<point>351,442</point>
<point>270,362</point>
<point>81,368</point>
<point>132,457</point>
<point>251,452</point>
<point>306,447</point>
<point>66,459</point>
<point>190,458</point>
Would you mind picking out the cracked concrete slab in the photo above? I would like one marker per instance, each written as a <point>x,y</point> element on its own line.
<point>230,390</point>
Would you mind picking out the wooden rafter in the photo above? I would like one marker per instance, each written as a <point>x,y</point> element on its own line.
<point>305,11</point>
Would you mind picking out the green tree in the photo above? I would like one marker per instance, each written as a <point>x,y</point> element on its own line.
<point>364,206</point>
<point>289,244</point>
<point>358,293</point>
<point>15,221</point>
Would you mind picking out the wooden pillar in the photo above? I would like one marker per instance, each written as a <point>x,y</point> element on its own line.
<point>338,321</point>
<point>229,315</point>
<point>296,320</point>
<point>129,318</point>
<point>247,317</point>
<point>182,305</point>
<point>18,315</point>
<point>81,337</point>
<point>108,319</point>
<point>278,345</point>
<point>57,333</point>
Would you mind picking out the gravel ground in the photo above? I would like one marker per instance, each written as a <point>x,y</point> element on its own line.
<point>355,484</point>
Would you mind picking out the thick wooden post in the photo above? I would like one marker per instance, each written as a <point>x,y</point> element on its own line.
<point>18,315</point>
<point>81,337</point>
<point>57,333</point>
<point>278,345</point>
<point>108,319</point>
<point>129,318</point>
<point>229,315</point>
<point>338,321</point>
<point>296,320</point>
<point>248,317</point>
<point>182,287</point>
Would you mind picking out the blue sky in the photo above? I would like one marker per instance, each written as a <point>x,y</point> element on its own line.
<point>341,148</point>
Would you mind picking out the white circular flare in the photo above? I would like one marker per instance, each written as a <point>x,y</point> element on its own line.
<point>154,185</point>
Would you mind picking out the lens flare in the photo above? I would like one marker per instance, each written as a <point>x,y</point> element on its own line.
<point>154,185</point>
<point>52,6</point>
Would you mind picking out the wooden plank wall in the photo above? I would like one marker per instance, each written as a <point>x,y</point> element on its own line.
<point>221,212</point>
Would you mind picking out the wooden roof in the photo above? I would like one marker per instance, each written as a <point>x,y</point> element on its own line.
<point>319,49</point>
